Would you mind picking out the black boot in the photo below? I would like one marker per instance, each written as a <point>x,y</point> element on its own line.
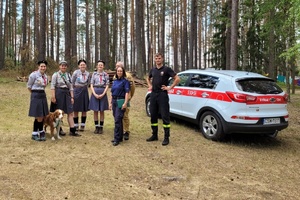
<point>166,141</point>
<point>73,132</point>
<point>167,135</point>
<point>154,137</point>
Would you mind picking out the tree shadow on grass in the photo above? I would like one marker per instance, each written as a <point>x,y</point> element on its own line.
<point>239,139</point>
<point>254,141</point>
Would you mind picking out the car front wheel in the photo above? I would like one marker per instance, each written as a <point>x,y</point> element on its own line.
<point>211,126</point>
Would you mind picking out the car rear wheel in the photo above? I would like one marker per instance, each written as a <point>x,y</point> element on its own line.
<point>148,107</point>
<point>211,126</point>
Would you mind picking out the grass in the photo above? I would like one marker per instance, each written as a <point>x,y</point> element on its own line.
<point>191,167</point>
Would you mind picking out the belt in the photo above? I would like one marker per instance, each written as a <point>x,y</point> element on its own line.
<point>38,91</point>
<point>98,86</point>
<point>62,88</point>
<point>116,97</point>
<point>157,91</point>
<point>77,86</point>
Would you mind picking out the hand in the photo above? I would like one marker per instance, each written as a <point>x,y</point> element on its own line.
<point>110,106</point>
<point>53,99</point>
<point>163,87</point>
<point>72,100</point>
<point>124,106</point>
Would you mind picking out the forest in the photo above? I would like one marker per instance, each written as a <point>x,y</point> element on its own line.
<point>253,35</point>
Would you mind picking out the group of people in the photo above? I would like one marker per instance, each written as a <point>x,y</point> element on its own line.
<point>70,94</point>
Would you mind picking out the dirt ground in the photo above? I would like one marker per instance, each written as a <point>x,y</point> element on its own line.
<point>191,167</point>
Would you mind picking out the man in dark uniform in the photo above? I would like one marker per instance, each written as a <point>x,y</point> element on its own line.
<point>159,99</point>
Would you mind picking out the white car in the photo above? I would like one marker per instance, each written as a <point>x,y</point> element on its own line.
<point>226,101</point>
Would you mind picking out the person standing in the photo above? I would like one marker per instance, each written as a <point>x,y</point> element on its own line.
<point>119,102</point>
<point>80,81</point>
<point>159,98</point>
<point>126,120</point>
<point>38,108</point>
<point>62,94</point>
<point>99,100</point>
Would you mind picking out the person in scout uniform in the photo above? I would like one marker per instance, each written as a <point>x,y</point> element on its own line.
<point>99,100</point>
<point>62,94</point>
<point>126,121</point>
<point>38,108</point>
<point>80,81</point>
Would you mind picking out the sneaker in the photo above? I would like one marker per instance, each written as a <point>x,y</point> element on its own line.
<point>36,138</point>
<point>81,128</point>
<point>126,136</point>
<point>115,143</point>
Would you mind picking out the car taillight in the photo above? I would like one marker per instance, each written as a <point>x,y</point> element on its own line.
<point>285,98</point>
<point>241,98</point>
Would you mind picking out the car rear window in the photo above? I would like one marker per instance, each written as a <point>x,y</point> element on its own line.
<point>259,86</point>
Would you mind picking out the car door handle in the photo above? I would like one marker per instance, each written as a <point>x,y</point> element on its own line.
<point>204,95</point>
<point>178,92</point>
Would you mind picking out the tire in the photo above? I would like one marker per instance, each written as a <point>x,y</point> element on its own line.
<point>211,126</point>
<point>148,107</point>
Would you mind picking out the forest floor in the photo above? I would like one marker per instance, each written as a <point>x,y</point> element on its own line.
<point>190,167</point>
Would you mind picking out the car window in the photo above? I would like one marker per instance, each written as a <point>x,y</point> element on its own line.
<point>259,86</point>
<point>203,81</point>
<point>183,79</point>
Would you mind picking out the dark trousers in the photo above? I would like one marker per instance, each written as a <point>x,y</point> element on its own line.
<point>118,117</point>
<point>159,102</point>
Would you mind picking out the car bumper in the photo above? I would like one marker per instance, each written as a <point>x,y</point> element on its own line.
<point>253,128</point>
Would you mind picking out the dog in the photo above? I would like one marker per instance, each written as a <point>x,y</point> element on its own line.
<point>54,120</point>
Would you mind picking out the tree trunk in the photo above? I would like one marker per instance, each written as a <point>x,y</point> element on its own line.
<point>140,65</point>
<point>96,31</point>
<point>52,19</point>
<point>228,35</point>
<point>114,33</point>
<point>234,35</point>
<point>193,35</point>
<point>73,34</point>
<point>125,51</point>
<point>37,26</point>
<point>42,27</point>
<point>67,20</point>
<point>271,64</point>
<point>87,33</point>
<point>24,50</point>
<point>57,31</point>
<point>132,36</point>
<point>184,39</point>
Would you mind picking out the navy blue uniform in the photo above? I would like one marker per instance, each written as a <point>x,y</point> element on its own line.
<point>118,91</point>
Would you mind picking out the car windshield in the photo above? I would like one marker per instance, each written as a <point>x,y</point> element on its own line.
<point>259,86</point>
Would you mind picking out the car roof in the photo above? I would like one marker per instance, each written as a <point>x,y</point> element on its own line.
<point>228,73</point>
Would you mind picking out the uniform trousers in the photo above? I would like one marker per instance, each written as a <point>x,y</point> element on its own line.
<point>159,102</point>
<point>118,114</point>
